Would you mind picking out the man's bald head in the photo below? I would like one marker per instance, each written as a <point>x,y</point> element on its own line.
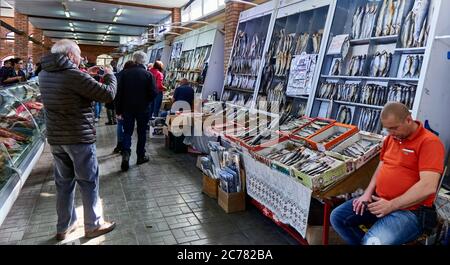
<point>395,109</point>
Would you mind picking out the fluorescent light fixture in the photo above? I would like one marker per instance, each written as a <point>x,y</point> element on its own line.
<point>71,24</point>
<point>119,12</point>
<point>67,13</point>
<point>115,19</point>
<point>110,27</point>
<point>72,29</point>
<point>107,32</point>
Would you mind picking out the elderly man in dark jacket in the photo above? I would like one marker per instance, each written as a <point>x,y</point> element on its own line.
<point>68,96</point>
<point>136,90</point>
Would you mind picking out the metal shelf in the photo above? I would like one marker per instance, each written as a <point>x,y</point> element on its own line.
<point>410,50</point>
<point>239,89</point>
<point>351,103</point>
<point>385,79</point>
<point>375,40</point>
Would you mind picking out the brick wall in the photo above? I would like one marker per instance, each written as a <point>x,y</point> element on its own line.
<point>6,47</point>
<point>232,12</point>
<point>92,51</point>
<point>176,17</point>
<point>37,50</point>
<point>21,41</point>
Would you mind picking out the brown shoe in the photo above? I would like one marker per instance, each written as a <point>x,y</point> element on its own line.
<point>106,227</point>
<point>71,229</point>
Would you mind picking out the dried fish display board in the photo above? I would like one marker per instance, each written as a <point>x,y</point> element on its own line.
<point>363,21</point>
<point>381,64</point>
<point>357,150</point>
<point>333,135</point>
<point>236,98</point>
<point>247,55</point>
<point>416,27</point>
<point>369,120</point>
<point>403,93</point>
<point>410,66</point>
<point>345,114</point>
<point>356,65</point>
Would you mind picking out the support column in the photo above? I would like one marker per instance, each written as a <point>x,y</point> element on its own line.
<point>176,17</point>
<point>21,41</point>
<point>232,12</point>
<point>38,50</point>
<point>48,44</point>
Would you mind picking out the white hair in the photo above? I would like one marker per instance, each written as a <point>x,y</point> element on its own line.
<point>65,46</point>
<point>140,57</point>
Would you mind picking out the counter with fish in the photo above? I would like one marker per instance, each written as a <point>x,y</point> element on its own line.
<point>384,61</point>
<point>22,138</point>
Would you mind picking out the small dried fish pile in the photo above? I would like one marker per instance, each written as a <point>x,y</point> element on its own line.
<point>331,137</point>
<point>372,94</point>
<point>381,64</point>
<point>345,115</point>
<point>364,21</point>
<point>291,157</point>
<point>412,66</point>
<point>356,65</point>
<point>359,148</point>
<point>369,120</point>
<point>312,128</point>
<point>293,123</point>
<point>315,166</point>
<point>416,26</point>
<point>405,94</point>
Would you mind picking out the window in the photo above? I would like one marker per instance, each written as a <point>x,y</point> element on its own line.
<point>221,2</point>
<point>10,37</point>
<point>104,59</point>
<point>196,9</point>
<point>209,6</point>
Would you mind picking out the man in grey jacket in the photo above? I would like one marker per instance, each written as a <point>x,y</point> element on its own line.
<point>68,96</point>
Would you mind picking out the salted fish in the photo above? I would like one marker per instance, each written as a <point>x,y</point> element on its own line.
<point>355,21</point>
<point>414,66</point>
<point>388,18</point>
<point>380,23</point>
<point>383,63</point>
<point>394,18</point>
<point>406,29</point>
<point>407,66</point>
<point>401,12</point>
<point>421,41</point>
<point>411,33</point>
<point>355,69</point>
<point>359,22</point>
<point>375,65</point>
<point>362,63</point>
<point>421,8</point>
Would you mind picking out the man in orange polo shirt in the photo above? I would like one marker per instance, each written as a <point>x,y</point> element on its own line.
<point>402,189</point>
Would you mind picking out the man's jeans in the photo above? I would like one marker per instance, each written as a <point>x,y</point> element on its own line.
<point>397,228</point>
<point>155,106</point>
<point>128,128</point>
<point>76,163</point>
<point>119,132</point>
<point>98,109</point>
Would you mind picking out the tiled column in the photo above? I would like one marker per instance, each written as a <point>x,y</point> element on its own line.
<point>232,12</point>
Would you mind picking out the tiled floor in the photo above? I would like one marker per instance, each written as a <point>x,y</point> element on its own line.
<point>156,203</point>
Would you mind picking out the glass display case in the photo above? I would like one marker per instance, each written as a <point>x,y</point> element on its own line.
<point>22,137</point>
<point>375,55</point>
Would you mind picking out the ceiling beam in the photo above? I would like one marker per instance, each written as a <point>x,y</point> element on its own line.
<point>80,39</point>
<point>89,32</point>
<point>18,32</point>
<point>132,4</point>
<point>89,21</point>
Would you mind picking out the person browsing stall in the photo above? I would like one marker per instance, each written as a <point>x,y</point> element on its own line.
<point>182,95</point>
<point>400,196</point>
<point>157,72</point>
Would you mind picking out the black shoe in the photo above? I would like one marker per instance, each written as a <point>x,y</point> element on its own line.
<point>125,161</point>
<point>109,123</point>
<point>142,160</point>
<point>117,150</point>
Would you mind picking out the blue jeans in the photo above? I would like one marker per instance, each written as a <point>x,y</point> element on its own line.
<point>397,228</point>
<point>156,105</point>
<point>98,109</point>
<point>119,132</point>
<point>76,164</point>
<point>128,128</point>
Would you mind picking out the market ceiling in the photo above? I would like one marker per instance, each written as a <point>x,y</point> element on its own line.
<point>100,22</point>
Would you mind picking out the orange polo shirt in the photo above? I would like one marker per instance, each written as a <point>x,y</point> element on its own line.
<point>404,160</point>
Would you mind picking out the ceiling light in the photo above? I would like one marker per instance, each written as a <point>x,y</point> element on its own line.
<point>115,19</point>
<point>107,32</point>
<point>110,27</point>
<point>72,29</point>
<point>67,13</point>
<point>71,24</point>
<point>119,12</point>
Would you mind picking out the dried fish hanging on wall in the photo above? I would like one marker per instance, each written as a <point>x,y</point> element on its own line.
<point>284,53</point>
<point>416,27</point>
<point>372,94</point>
<point>356,65</point>
<point>390,18</point>
<point>345,115</point>
<point>364,21</point>
<point>412,66</point>
<point>369,120</point>
<point>381,64</point>
<point>404,93</point>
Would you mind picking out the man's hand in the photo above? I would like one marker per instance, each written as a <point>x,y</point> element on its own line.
<point>108,70</point>
<point>359,204</point>
<point>93,70</point>
<point>381,207</point>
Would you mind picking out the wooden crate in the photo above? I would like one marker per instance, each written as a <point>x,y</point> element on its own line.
<point>210,186</point>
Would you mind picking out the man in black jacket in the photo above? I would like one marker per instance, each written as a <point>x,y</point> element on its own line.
<point>68,96</point>
<point>136,90</point>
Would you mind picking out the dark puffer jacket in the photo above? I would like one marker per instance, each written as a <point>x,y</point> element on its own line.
<point>68,95</point>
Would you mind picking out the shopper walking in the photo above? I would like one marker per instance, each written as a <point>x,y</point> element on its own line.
<point>157,72</point>
<point>136,90</point>
<point>68,95</point>
<point>119,146</point>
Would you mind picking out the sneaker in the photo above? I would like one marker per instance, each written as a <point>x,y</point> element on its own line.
<point>71,229</point>
<point>142,160</point>
<point>106,227</point>
<point>125,161</point>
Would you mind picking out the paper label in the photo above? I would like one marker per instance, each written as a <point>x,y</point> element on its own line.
<point>336,44</point>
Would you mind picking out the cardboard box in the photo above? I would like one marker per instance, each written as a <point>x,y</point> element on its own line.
<point>314,236</point>
<point>210,186</point>
<point>232,202</point>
